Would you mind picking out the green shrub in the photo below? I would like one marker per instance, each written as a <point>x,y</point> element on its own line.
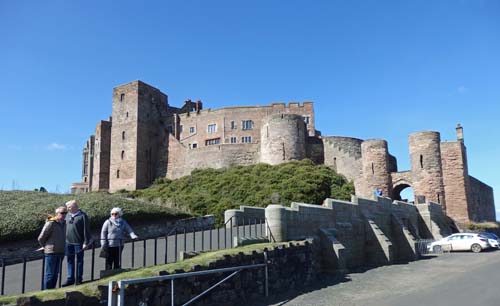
<point>212,191</point>
<point>24,212</point>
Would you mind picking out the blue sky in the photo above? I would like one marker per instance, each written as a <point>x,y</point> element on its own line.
<point>374,69</point>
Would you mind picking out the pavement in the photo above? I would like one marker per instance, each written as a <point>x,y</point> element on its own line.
<point>461,278</point>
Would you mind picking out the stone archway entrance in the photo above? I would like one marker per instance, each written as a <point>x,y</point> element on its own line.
<point>403,192</point>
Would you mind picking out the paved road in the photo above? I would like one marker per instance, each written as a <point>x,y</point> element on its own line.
<point>456,279</point>
<point>14,275</point>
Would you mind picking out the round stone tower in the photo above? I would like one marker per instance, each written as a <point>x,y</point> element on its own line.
<point>375,168</point>
<point>283,138</point>
<point>426,167</point>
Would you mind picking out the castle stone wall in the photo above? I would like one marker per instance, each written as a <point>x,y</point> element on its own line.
<point>482,207</point>
<point>456,180</point>
<point>343,154</point>
<point>183,160</point>
<point>102,147</point>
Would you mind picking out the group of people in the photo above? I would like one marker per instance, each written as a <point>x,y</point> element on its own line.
<point>68,234</point>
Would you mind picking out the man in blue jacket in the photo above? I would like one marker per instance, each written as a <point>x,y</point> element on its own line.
<point>78,238</point>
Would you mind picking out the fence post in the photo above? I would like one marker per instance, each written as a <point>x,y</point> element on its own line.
<point>43,272</point>
<point>185,240</point>
<point>175,246</point>
<point>172,291</point>
<point>3,277</point>
<point>111,293</point>
<point>156,249</point>
<point>60,271</point>
<point>144,253</point>
<point>133,252</point>
<point>210,239</point>
<point>231,231</point>
<point>203,240</point>
<point>166,249</point>
<point>93,262</point>
<point>218,238</point>
<point>266,275</point>
<point>194,240</point>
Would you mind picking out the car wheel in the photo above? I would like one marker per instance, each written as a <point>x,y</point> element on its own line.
<point>437,249</point>
<point>476,248</point>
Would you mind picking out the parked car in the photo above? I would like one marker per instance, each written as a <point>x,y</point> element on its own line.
<point>460,242</point>
<point>493,239</point>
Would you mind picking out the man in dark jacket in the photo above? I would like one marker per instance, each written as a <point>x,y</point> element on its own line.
<point>78,238</point>
<point>52,240</point>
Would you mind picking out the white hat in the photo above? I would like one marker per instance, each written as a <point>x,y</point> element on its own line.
<point>117,210</point>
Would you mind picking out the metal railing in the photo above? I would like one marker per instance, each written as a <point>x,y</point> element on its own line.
<point>116,289</point>
<point>423,247</point>
<point>22,271</point>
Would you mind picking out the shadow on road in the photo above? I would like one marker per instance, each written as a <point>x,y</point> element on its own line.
<point>323,281</point>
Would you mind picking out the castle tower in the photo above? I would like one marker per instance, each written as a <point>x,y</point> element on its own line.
<point>376,166</point>
<point>283,138</point>
<point>426,167</point>
<point>138,136</point>
<point>102,143</point>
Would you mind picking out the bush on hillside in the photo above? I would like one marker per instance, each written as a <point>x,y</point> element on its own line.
<point>212,191</point>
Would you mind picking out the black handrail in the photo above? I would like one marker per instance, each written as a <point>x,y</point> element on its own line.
<point>4,261</point>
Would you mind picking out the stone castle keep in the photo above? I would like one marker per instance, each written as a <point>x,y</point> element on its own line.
<point>146,138</point>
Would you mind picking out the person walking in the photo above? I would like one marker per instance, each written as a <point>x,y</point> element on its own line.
<point>112,236</point>
<point>78,238</point>
<point>52,239</point>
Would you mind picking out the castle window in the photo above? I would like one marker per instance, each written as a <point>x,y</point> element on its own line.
<point>247,124</point>
<point>191,130</point>
<point>127,115</point>
<point>233,140</point>
<point>246,139</point>
<point>233,125</point>
<point>117,173</point>
<point>212,128</point>
<point>211,142</point>
<point>307,119</point>
<point>123,135</point>
<point>85,179</point>
<point>122,97</point>
<point>194,145</point>
<point>373,169</point>
<point>123,155</point>
<point>421,162</point>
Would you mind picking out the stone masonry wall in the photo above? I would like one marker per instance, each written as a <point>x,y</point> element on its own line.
<point>482,206</point>
<point>181,160</point>
<point>343,154</point>
<point>101,156</point>
<point>456,180</point>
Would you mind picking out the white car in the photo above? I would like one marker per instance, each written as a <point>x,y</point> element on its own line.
<point>460,242</point>
<point>493,239</point>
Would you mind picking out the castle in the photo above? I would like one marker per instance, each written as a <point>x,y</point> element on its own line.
<point>146,138</point>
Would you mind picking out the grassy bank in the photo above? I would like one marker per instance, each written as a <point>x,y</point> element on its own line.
<point>24,212</point>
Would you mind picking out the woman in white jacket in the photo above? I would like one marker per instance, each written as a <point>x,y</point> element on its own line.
<point>112,237</point>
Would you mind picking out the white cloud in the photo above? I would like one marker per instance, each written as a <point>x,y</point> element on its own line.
<point>56,146</point>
